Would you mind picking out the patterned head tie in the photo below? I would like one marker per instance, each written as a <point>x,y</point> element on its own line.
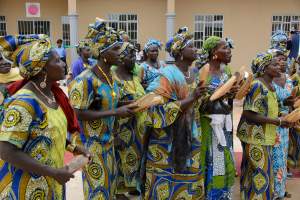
<point>279,41</point>
<point>83,44</point>
<point>126,49</point>
<point>260,62</point>
<point>208,46</point>
<point>28,52</point>
<point>179,41</point>
<point>123,35</point>
<point>102,37</point>
<point>151,43</point>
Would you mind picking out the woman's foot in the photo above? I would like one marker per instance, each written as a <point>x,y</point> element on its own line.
<point>287,195</point>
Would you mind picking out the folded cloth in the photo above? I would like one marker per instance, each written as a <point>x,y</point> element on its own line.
<point>217,124</point>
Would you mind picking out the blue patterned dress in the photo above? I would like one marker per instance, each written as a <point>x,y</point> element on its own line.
<point>86,92</point>
<point>149,73</point>
<point>280,149</point>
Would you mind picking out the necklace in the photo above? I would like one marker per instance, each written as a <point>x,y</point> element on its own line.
<point>189,75</point>
<point>49,100</point>
<point>113,94</point>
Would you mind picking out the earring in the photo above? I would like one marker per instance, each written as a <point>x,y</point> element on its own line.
<point>181,58</point>
<point>105,60</point>
<point>215,57</point>
<point>43,84</point>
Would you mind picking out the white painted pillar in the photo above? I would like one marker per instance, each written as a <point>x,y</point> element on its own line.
<point>170,19</point>
<point>73,20</point>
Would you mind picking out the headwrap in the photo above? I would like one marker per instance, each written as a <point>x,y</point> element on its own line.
<point>152,42</point>
<point>122,34</point>
<point>279,41</point>
<point>28,52</point>
<point>208,46</point>
<point>179,41</point>
<point>102,37</point>
<point>83,44</point>
<point>11,76</point>
<point>260,62</point>
<point>126,48</point>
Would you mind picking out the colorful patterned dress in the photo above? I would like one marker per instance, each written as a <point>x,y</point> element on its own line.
<point>294,139</point>
<point>280,149</point>
<point>40,132</point>
<point>87,92</point>
<point>217,160</point>
<point>162,180</point>
<point>130,135</point>
<point>149,73</point>
<point>257,178</point>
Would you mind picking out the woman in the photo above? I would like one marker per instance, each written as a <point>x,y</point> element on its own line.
<point>95,96</point>
<point>83,62</point>
<point>257,130</point>
<point>173,157</point>
<point>151,65</point>
<point>283,87</point>
<point>130,131</point>
<point>216,122</point>
<point>35,124</point>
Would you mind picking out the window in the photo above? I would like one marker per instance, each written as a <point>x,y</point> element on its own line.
<point>2,26</point>
<point>66,30</point>
<point>125,22</point>
<point>26,27</point>
<point>285,23</point>
<point>206,26</point>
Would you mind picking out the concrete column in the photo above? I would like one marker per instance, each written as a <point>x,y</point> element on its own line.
<point>73,20</point>
<point>170,19</point>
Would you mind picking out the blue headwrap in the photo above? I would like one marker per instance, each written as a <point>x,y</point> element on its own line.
<point>279,40</point>
<point>152,42</point>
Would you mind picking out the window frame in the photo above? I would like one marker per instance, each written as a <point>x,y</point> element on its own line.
<point>4,31</point>
<point>110,20</point>
<point>35,20</point>
<point>282,22</point>
<point>65,21</point>
<point>202,33</point>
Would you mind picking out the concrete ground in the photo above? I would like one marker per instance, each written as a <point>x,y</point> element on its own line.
<point>74,187</point>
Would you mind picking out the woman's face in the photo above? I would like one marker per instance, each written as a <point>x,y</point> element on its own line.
<point>129,60</point>
<point>281,61</point>
<point>273,69</point>
<point>112,55</point>
<point>4,66</point>
<point>152,53</point>
<point>86,53</point>
<point>189,52</point>
<point>223,53</point>
<point>55,67</point>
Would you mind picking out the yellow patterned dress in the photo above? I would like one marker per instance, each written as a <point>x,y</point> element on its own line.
<point>87,92</point>
<point>257,179</point>
<point>130,136</point>
<point>40,132</point>
<point>165,178</point>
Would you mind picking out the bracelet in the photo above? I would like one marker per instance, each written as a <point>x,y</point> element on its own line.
<point>71,147</point>
<point>279,122</point>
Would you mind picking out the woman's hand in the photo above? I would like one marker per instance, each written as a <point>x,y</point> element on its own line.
<point>200,90</point>
<point>82,151</point>
<point>125,111</point>
<point>290,101</point>
<point>285,123</point>
<point>61,175</point>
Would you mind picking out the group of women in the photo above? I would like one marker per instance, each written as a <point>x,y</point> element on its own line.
<point>179,147</point>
